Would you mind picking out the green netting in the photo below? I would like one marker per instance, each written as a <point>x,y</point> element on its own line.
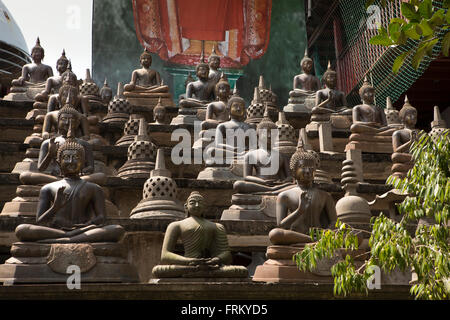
<point>354,18</point>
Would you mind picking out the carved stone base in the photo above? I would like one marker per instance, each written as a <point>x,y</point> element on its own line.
<point>218,173</point>
<point>48,263</point>
<point>190,272</point>
<point>116,118</point>
<point>158,209</point>
<point>27,94</point>
<point>26,165</point>
<point>136,169</point>
<point>281,268</point>
<point>369,147</point>
<point>251,207</point>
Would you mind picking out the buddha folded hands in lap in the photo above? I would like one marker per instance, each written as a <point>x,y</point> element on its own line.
<point>70,210</point>
<point>206,251</point>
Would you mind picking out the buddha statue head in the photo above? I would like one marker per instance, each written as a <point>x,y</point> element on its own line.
<point>307,63</point>
<point>106,93</point>
<point>37,52</point>
<point>223,88</point>
<point>214,59</point>
<point>159,112</point>
<point>303,164</point>
<point>68,77</point>
<point>330,77</point>
<point>367,92</point>
<point>195,204</point>
<point>408,114</point>
<point>146,59</point>
<point>236,105</point>
<point>68,119</point>
<point>68,94</point>
<point>202,69</point>
<point>62,63</point>
<point>70,157</point>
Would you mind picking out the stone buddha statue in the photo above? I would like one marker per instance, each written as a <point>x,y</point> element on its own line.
<point>304,206</point>
<point>199,93</point>
<point>145,79</point>
<point>236,105</point>
<point>217,111</point>
<point>305,82</point>
<point>305,85</point>
<point>402,140</point>
<point>69,95</point>
<point>330,99</point>
<point>33,77</point>
<point>262,171</point>
<point>70,230</point>
<point>206,251</point>
<point>68,120</point>
<point>214,64</point>
<point>370,132</point>
<point>106,93</point>
<point>159,114</point>
<point>71,210</point>
<point>53,83</point>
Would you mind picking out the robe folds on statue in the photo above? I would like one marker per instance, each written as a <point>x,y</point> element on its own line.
<point>240,27</point>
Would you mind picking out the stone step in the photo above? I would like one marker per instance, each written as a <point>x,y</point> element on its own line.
<point>14,109</point>
<point>15,129</point>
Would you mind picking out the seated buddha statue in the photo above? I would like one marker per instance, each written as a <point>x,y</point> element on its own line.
<point>305,82</point>
<point>34,75</point>
<point>236,106</point>
<point>264,170</point>
<point>402,160</point>
<point>53,83</point>
<point>214,64</point>
<point>146,80</point>
<point>304,206</point>
<point>68,94</point>
<point>70,210</point>
<point>206,251</point>
<point>201,92</point>
<point>329,99</point>
<point>68,120</point>
<point>217,111</point>
<point>370,132</point>
<point>305,85</point>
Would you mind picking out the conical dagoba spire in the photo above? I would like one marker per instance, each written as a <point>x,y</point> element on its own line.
<point>235,90</point>
<point>261,82</point>
<point>266,111</point>
<point>119,90</point>
<point>282,118</point>
<point>142,133</point>
<point>437,122</point>
<point>389,103</point>
<point>256,96</point>
<point>160,165</point>
<point>88,76</point>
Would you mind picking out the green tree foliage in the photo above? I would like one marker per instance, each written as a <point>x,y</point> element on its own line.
<point>423,22</point>
<point>392,246</point>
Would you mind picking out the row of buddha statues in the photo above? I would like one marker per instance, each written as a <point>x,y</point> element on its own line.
<point>63,174</point>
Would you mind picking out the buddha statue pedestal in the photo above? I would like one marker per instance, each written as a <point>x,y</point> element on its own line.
<point>370,143</point>
<point>25,203</point>
<point>281,268</point>
<point>102,262</point>
<point>251,207</point>
<point>187,116</point>
<point>231,172</point>
<point>300,101</point>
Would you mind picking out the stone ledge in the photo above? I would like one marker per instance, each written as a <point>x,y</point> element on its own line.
<point>194,291</point>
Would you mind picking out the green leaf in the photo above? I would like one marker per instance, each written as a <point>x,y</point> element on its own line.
<point>426,9</point>
<point>410,31</point>
<point>437,19</point>
<point>381,40</point>
<point>446,44</point>
<point>426,28</point>
<point>398,62</point>
<point>447,15</point>
<point>409,12</point>
<point>418,56</point>
<point>430,46</point>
